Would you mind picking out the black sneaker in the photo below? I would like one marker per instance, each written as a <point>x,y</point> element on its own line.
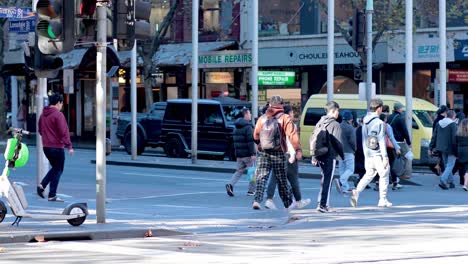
<point>451,185</point>
<point>323,209</point>
<point>443,186</point>
<point>230,190</point>
<point>40,192</point>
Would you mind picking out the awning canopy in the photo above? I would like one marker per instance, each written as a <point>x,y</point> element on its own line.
<point>181,53</point>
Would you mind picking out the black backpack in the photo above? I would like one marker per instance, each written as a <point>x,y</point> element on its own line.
<point>270,134</point>
<point>320,141</point>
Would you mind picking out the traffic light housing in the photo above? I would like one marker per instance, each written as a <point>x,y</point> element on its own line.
<point>357,30</point>
<point>55,26</point>
<point>86,22</point>
<point>130,22</point>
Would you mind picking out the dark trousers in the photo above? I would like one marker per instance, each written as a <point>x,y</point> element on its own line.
<point>266,163</point>
<point>460,168</point>
<point>327,166</point>
<point>56,157</point>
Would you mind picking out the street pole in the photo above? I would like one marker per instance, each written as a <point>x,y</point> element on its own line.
<point>443,52</point>
<point>14,101</point>
<point>409,66</point>
<point>331,50</point>
<point>101,112</point>
<point>254,72</point>
<point>369,11</point>
<point>42,163</point>
<point>195,8</point>
<point>133,103</point>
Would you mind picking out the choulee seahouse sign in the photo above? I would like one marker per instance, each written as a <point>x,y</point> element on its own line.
<point>225,59</point>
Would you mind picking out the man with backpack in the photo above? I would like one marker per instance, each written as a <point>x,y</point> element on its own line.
<point>270,134</point>
<point>325,145</point>
<point>375,153</point>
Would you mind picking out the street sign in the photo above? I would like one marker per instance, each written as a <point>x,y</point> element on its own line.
<point>16,12</point>
<point>277,78</point>
<point>22,26</point>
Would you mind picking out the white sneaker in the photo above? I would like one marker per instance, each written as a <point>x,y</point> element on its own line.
<point>302,203</point>
<point>269,204</point>
<point>354,198</point>
<point>384,203</point>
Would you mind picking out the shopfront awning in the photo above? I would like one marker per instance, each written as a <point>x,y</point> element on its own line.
<point>181,53</point>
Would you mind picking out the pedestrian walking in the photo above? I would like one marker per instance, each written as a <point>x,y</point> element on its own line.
<point>444,141</point>
<point>462,144</point>
<point>393,150</point>
<point>325,146</point>
<point>438,168</point>
<point>346,167</point>
<point>459,166</point>
<point>375,153</point>
<point>292,173</point>
<point>402,136</point>
<point>55,135</point>
<point>359,161</point>
<point>22,114</point>
<point>245,150</point>
<point>270,134</point>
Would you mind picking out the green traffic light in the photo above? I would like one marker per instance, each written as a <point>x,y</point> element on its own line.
<point>50,32</point>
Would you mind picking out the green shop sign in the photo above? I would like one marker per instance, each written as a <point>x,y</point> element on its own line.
<point>277,78</point>
<point>225,59</point>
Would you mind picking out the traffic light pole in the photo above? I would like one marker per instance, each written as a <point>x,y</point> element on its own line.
<point>369,11</point>
<point>101,112</point>
<point>443,53</point>
<point>133,104</point>
<point>409,65</point>
<point>42,163</point>
<point>195,9</point>
<point>331,50</point>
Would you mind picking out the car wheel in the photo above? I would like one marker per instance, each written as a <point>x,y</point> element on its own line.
<point>128,143</point>
<point>175,149</point>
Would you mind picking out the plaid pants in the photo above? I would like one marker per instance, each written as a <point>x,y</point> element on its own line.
<point>266,162</point>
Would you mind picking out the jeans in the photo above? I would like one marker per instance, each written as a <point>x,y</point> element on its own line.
<point>449,162</point>
<point>293,179</point>
<point>56,157</point>
<point>242,165</point>
<point>346,169</point>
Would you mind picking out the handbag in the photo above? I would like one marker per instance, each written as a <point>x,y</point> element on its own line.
<point>388,142</point>
<point>398,166</point>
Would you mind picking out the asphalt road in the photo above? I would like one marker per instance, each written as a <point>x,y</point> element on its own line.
<point>426,224</point>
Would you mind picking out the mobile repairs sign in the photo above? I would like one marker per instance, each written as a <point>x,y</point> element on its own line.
<point>277,78</point>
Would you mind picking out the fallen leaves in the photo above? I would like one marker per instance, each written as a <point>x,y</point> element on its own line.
<point>40,238</point>
<point>2,250</point>
<point>190,244</point>
<point>149,233</point>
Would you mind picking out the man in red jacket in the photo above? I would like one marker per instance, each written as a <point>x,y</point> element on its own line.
<point>55,136</point>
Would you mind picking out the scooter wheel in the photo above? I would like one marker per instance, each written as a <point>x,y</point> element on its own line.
<point>77,209</point>
<point>3,211</point>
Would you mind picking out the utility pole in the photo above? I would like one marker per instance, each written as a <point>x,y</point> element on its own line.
<point>369,11</point>
<point>101,56</point>
<point>133,99</point>
<point>331,50</point>
<point>195,8</point>
<point>409,66</point>
<point>254,72</point>
<point>443,53</point>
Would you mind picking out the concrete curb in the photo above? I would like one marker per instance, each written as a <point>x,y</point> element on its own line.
<point>211,169</point>
<point>87,235</point>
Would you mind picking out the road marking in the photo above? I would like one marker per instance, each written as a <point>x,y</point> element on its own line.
<point>173,177</point>
<point>162,196</point>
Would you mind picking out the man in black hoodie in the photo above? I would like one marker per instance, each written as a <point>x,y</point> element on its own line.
<point>327,162</point>
<point>402,136</point>
<point>245,150</point>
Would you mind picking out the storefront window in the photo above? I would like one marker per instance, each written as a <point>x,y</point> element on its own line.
<point>279,17</point>
<point>160,10</point>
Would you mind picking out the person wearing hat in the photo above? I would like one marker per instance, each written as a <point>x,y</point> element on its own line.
<point>270,135</point>
<point>348,139</point>
<point>398,124</point>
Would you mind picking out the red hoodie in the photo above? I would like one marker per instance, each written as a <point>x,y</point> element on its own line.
<point>54,129</point>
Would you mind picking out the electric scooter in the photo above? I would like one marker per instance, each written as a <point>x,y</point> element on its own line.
<point>16,156</point>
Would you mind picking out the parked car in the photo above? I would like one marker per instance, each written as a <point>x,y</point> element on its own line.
<point>169,126</point>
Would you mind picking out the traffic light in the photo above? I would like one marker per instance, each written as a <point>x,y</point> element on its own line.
<point>357,30</point>
<point>130,22</point>
<point>85,20</point>
<point>55,26</point>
